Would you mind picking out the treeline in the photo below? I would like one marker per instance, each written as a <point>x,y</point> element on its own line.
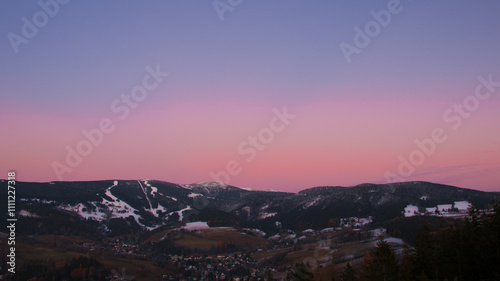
<point>467,250</point>
<point>77,269</point>
<point>407,228</point>
<point>58,223</point>
<point>168,245</point>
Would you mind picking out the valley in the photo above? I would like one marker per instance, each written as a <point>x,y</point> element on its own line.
<point>163,231</point>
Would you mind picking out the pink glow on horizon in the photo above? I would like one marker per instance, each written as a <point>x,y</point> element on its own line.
<point>355,120</point>
<point>326,144</point>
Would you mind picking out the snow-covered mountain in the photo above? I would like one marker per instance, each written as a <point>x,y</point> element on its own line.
<point>145,205</point>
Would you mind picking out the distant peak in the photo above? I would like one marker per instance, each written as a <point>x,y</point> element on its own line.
<point>209,184</point>
<point>256,189</point>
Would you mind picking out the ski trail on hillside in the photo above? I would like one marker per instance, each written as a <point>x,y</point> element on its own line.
<point>119,208</point>
<point>109,194</point>
<point>153,189</point>
<point>147,198</point>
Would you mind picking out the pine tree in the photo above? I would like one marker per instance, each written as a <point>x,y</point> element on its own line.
<point>425,253</point>
<point>385,265</point>
<point>366,267</point>
<point>349,274</point>
<point>407,264</point>
<point>299,273</point>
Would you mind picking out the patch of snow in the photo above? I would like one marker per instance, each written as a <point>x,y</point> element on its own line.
<point>365,221</point>
<point>206,184</point>
<point>309,204</point>
<point>181,216</point>
<point>394,240</point>
<point>197,225</point>
<point>255,230</point>
<point>153,189</point>
<point>24,213</point>
<point>222,228</point>
<point>379,231</point>
<point>264,215</point>
<point>118,208</point>
<point>87,214</point>
<point>109,194</point>
<point>160,208</point>
<point>192,195</point>
<point>169,197</point>
<point>276,236</point>
<point>37,200</point>
<point>254,189</point>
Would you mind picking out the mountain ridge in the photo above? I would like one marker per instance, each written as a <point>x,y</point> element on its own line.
<point>218,184</point>
<point>144,205</point>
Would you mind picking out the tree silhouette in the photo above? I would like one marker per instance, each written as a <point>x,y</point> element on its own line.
<point>299,273</point>
<point>385,265</point>
<point>425,253</point>
<point>349,274</point>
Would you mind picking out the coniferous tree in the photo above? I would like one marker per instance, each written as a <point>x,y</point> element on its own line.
<point>385,265</point>
<point>349,273</point>
<point>366,267</point>
<point>425,253</point>
<point>467,250</point>
<point>407,264</point>
<point>299,273</point>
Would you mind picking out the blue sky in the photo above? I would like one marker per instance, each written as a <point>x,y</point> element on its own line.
<point>264,54</point>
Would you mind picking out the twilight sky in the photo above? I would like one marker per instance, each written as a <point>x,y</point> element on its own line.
<point>263,94</point>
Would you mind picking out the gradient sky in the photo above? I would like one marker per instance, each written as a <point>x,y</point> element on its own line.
<point>354,121</point>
